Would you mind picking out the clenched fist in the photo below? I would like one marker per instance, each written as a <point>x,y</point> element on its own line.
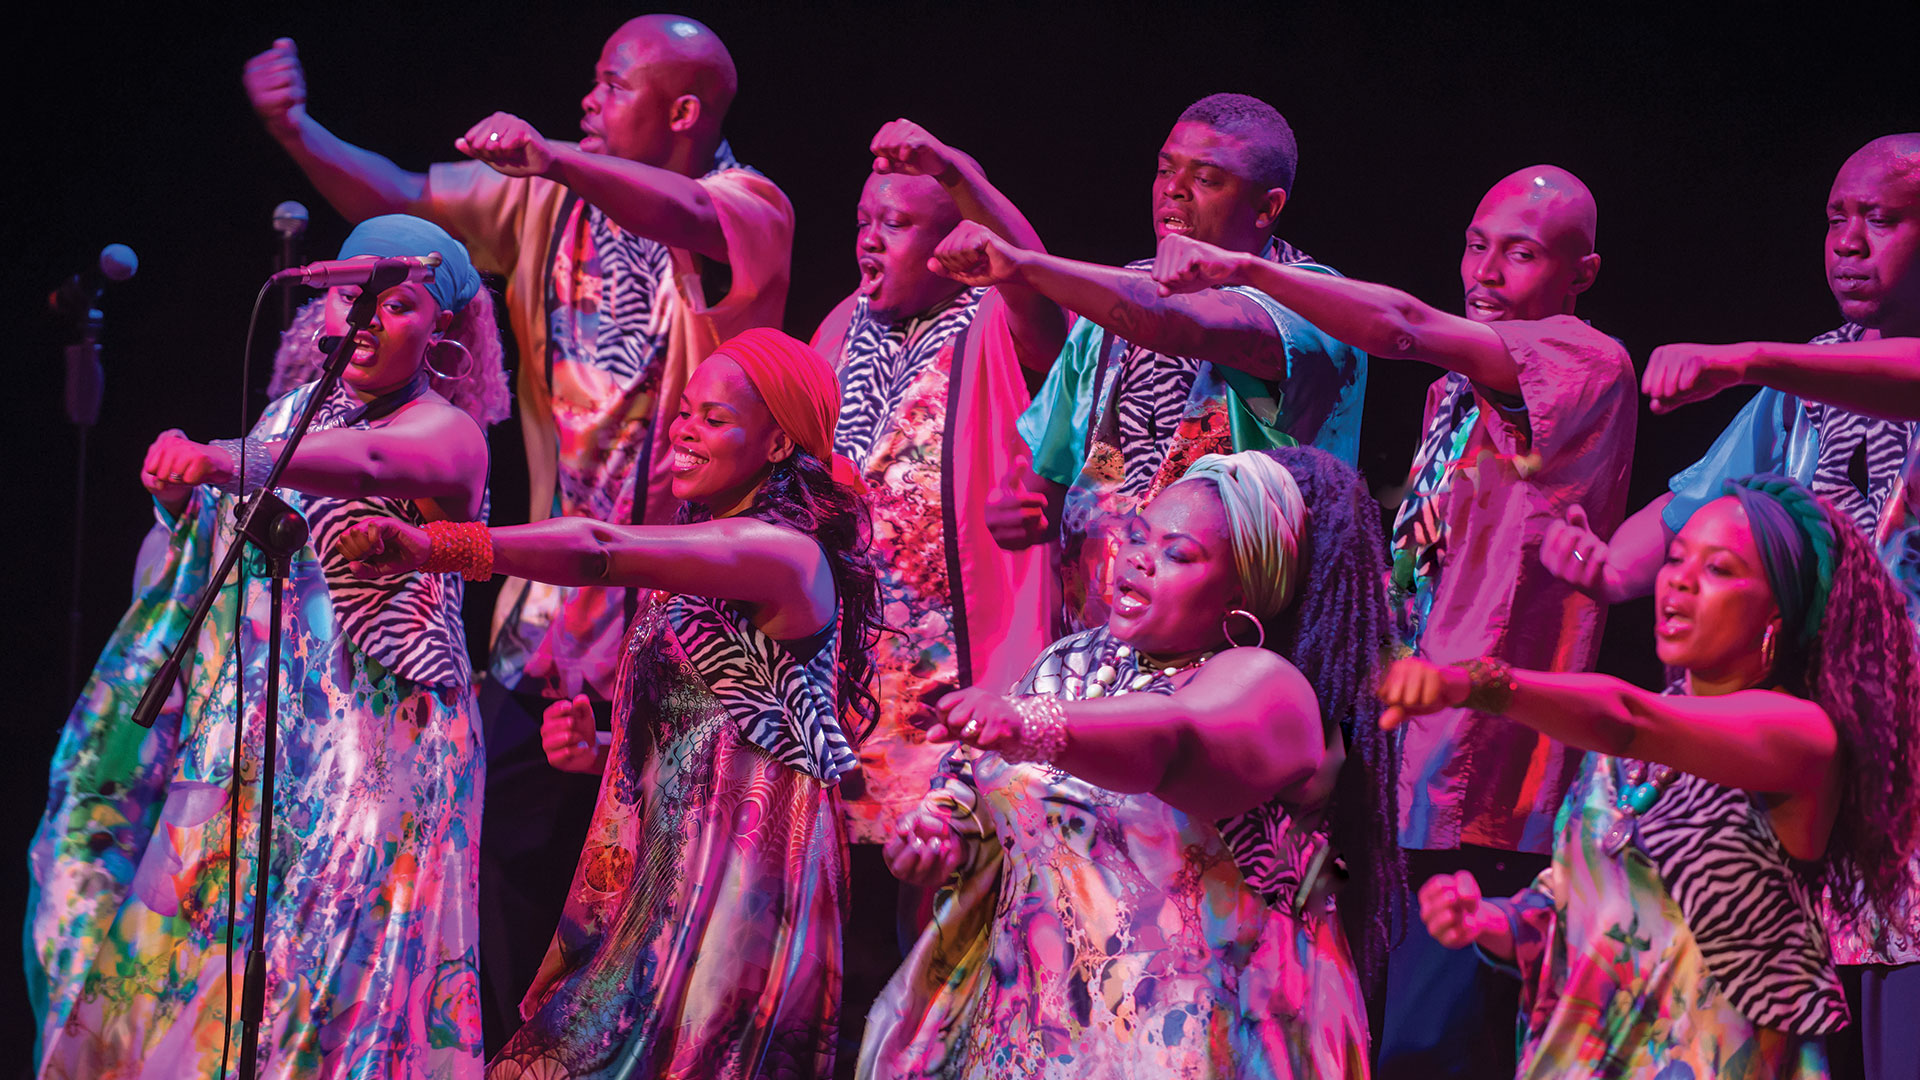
<point>383,547</point>
<point>277,86</point>
<point>509,144</point>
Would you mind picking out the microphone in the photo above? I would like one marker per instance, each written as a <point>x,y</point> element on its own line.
<point>386,272</point>
<point>76,296</point>
<point>289,219</point>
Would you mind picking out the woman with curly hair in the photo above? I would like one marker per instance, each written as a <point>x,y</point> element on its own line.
<point>702,934</point>
<point>1677,932</point>
<point>370,933</point>
<point>1139,850</point>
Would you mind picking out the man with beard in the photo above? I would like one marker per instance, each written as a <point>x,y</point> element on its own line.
<point>1148,383</point>
<point>931,381</point>
<point>1840,415</point>
<point>627,257</point>
<point>1535,413</point>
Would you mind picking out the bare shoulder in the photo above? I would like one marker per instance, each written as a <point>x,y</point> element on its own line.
<point>1246,670</point>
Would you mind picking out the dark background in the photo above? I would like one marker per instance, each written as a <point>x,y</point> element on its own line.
<point>1709,141</point>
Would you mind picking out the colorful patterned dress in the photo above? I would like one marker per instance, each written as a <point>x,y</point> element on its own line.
<point>1095,934</point>
<point>1625,976</point>
<point>702,935</point>
<point>371,967</point>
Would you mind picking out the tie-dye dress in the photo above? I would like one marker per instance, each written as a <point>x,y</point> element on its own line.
<point>370,949</point>
<point>702,935</point>
<point>1694,954</point>
<point>1095,934</point>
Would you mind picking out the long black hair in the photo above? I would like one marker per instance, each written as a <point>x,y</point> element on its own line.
<point>801,493</point>
<point>1338,631</point>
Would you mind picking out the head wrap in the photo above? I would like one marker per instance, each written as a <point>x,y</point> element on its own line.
<point>799,388</point>
<point>1266,518</point>
<point>394,235</point>
<point>1796,542</point>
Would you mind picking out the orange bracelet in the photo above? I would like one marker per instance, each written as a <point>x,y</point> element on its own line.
<point>465,546</point>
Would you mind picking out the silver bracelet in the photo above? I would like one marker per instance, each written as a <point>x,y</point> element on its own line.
<point>1043,730</point>
<point>257,458</point>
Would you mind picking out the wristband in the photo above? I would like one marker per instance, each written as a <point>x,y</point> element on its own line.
<point>464,546</point>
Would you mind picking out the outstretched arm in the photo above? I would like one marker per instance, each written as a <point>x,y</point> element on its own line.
<point>1879,377</point>
<point>656,203</point>
<point>1753,740</point>
<point>429,450</point>
<point>739,559</point>
<point>1243,729</point>
<point>1038,325</point>
<point>358,183</point>
<point>1217,326</point>
<point>1376,319</point>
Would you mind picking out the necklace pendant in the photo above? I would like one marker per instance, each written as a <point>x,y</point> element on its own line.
<point>1615,839</point>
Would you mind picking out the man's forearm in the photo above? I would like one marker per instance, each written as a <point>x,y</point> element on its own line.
<point>656,203</point>
<point>1210,325</point>
<point>1879,378</point>
<point>1386,322</point>
<point>359,183</point>
<point>1635,552</point>
<point>1037,324</point>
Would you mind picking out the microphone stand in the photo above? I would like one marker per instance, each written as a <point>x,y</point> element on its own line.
<point>85,381</point>
<point>278,531</point>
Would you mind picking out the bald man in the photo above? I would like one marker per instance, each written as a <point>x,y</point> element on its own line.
<point>1536,413</point>
<point>1840,414</point>
<point>628,256</point>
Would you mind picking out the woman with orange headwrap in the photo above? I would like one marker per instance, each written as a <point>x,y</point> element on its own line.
<point>702,935</point>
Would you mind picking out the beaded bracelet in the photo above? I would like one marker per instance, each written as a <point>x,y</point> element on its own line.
<point>251,452</point>
<point>1043,730</point>
<point>1490,684</point>
<point>465,546</point>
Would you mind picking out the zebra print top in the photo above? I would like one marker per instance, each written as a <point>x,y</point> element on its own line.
<point>410,625</point>
<point>1266,842</point>
<point>1752,915</point>
<point>880,360</point>
<point>783,698</point>
<point>1860,457</point>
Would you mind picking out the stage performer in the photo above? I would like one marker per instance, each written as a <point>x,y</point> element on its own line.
<point>627,258</point>
<point>931,382</point>
<point>1147,383</point>
<point>1676,932</point>
<point>1838,414</point>
<point>371,943</point>
<point>1535,413</point>
<point>702,934</point>
<point>1139,849</point>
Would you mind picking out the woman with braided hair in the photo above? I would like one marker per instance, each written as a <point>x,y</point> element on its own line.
<point>1677,931</point>
<point>1135,851</point>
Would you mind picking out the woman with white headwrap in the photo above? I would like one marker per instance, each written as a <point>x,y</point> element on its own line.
<point>1138,849</point>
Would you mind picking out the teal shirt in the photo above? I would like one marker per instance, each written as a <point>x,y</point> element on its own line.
<point>1317,403</point>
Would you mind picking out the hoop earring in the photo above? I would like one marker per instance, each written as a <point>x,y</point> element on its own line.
<point>1766,649</point>
<point>1251,617</point>
<point>464,371</point>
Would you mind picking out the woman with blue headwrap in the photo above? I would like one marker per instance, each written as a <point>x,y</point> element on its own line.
<point>1136,853</point>
<point>371,931</point>
<point>1677,932</point>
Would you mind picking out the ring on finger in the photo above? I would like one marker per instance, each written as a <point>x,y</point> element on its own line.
<point>494,138</point>
<point>1579,557</point>
<point>971,729</point>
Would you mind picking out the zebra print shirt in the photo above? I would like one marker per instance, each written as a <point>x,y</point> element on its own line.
<point>1751,914</point>
<point>1149,393</point>
<point>880,360</point>
<point>1860,457</point>
<point>410,625</point>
